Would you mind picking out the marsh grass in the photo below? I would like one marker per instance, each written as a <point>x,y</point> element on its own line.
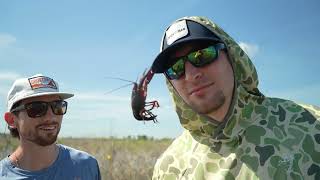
<point>119,158</point>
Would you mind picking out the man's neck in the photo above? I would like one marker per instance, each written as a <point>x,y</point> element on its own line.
<point>32,157</point>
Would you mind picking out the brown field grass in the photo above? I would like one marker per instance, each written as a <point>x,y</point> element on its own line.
<point>119,159</point>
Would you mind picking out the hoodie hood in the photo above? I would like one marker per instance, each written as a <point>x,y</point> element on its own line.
<point>245,95</point>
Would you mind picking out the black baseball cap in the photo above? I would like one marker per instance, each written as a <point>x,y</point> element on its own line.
<point>177,34</point>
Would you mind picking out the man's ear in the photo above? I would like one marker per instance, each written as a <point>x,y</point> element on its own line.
<point>9,118</point>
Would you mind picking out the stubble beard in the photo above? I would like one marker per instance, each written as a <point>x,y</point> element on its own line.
<point>42,140</point>
<point>207,105</point>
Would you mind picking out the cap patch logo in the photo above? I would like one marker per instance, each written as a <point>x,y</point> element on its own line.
<point>42,82</point>
<point>176,31</point>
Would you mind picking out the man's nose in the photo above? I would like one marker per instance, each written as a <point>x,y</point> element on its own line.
<point>50,112</point>
<point>192,72</point>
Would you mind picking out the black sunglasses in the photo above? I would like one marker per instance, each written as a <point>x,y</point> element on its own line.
<point>39,108</point>
<point>197,58</point>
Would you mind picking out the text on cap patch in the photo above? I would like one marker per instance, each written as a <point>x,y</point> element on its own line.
<point>176,31</point>
<point>42,82</point>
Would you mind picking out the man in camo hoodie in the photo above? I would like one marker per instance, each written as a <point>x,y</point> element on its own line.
<point>231,130</point>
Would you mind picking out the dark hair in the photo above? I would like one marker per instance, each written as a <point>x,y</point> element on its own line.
<point>14,131</point>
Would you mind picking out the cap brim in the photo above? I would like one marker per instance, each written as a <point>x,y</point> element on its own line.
<point>63,95</point>
<point>162,60</point>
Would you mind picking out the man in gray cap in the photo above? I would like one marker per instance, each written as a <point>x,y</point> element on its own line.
<point>231,130</point>
<point>34,116</point>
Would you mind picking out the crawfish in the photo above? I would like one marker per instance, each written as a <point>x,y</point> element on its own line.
<point>139,96</point>
<point>138,99</point>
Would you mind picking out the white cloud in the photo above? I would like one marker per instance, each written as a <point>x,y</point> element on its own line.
<point>304,94</point>
<point>6,79</point>
<point>6,40</point>
<point>99,96</point>
<point>96,96</point>
<point>97,103</point>
<point>250,49</point>
<point>9,76</point>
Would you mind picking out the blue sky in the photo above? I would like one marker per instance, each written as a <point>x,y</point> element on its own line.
<point>80,43</point>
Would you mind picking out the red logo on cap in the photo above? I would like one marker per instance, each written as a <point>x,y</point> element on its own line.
<point>42,82</point>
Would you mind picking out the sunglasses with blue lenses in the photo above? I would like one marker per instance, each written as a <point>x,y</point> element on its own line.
<point>39,108</point>
<point>197,58</point>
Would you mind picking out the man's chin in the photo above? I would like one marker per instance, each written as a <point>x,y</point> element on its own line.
<point>46,141</point>
<point>207,108</point>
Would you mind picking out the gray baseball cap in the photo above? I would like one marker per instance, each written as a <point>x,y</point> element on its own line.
<point>34,86</point>
<point>180,32</point>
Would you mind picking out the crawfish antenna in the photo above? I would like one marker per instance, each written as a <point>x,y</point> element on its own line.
<point>109,77</point>
<point>119,88</point>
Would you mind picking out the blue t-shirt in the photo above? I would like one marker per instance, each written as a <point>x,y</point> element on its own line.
<point>71,164</point>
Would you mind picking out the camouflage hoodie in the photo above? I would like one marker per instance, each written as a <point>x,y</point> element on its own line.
<point>260,137</point>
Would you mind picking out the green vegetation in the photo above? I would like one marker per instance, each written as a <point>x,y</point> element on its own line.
<point>119,159</point>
